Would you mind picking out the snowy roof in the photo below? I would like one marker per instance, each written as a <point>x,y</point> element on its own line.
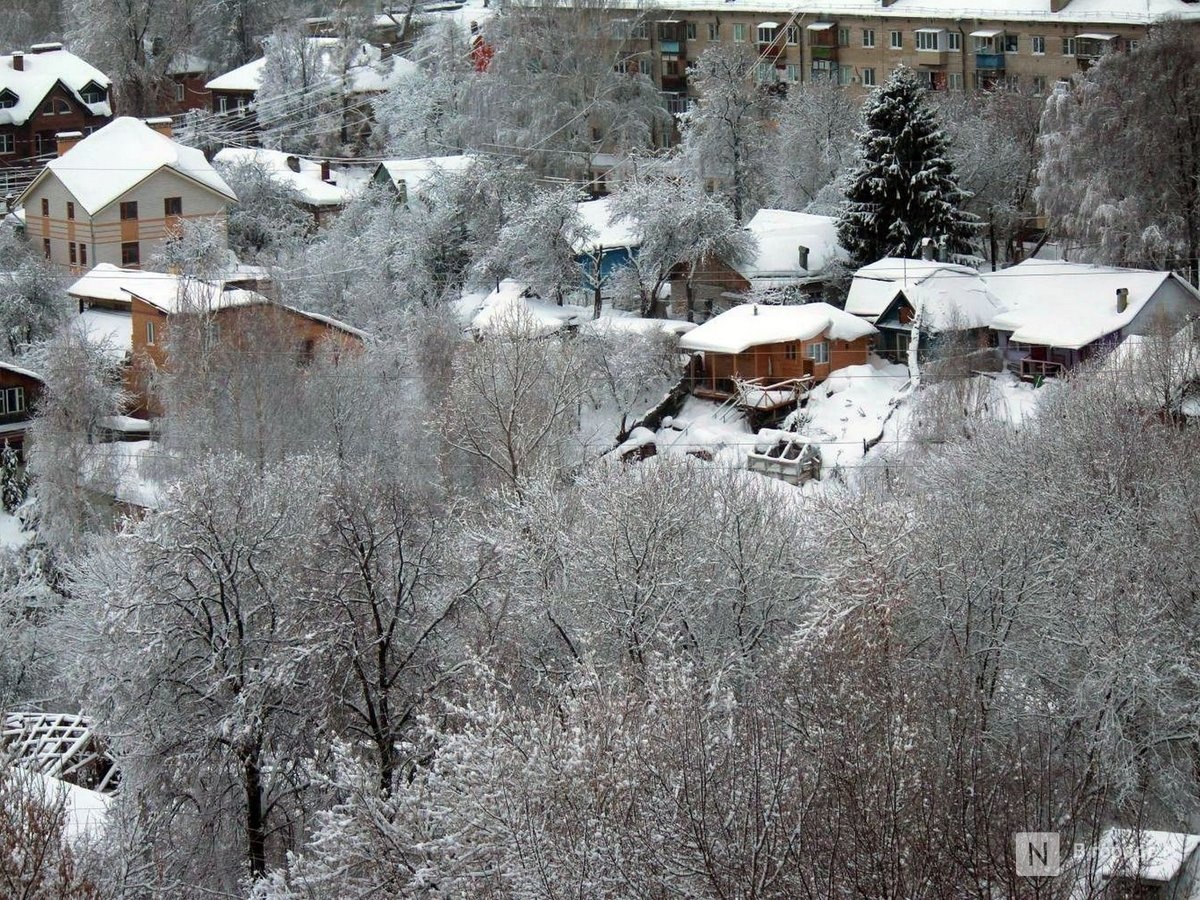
<point>189,64</point>
<point>509,305</point>
<point>306,182</point>
<point>105,281</point>
<point>1155,856</point>
<point>779,234</point>
<point>1068,305</point>
<point>109,162</point>
<point>368,71</point>
<point>875,286</point>
<point>1112,12</point>
<point>108,329</point>
<point>607,234</point>
<point>42,70</point>
<point>19,370</point>
<point>752,324</point>
<point>418,173</point>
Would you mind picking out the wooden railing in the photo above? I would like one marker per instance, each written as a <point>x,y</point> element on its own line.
<point>1040,368</point>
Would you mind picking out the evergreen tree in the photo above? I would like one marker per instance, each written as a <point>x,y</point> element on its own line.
<point>904,188</point>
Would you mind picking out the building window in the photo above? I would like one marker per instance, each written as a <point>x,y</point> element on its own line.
<point>223,102</point>
<point>13,400</point>
<point>818,351</point>
<point>173,206</point>
<point>62,107</point>
<point>1012,43</point>
<point>1039,84</point>
<point>46,247</point>
<point>39,144</point>
<point>793,35</point>
<point>793,73</point>
<point>714,31</point>
<point>953,41</point>
<point>843,37</point>
<point>739,33</point>
<point>71,254</point>
<point>690,31</point>
<point>8,144</point>
<point>48,108</point>
<point>928,40</point>
<point>128,210</point>
<point>83,254</point>
<point>1068,45</point>
<point>131,254</point>
<point>897,40</point>
<point>868,37</point>
<point>93,93</point>
<point>1037,45</point>
<point>868,77</point>
<point>241,101</point>
<point>766,35</point>
<point>845,74</point>
<point>789,351</point>
<point>178,92</point>
<point>149,332</point>
<point>1130,46</point>
<point>70,210</point>
<point>640,30</point>
<point>954,81</point>
<point>7,99</point>
<point>45,208</point>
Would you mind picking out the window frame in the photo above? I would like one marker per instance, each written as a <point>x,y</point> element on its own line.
<point>868,38</point>
<point>150,332</point>
<point>740,28</point>
<point>926,38</point>
<point>896,40</point>
<point>1012,43</point>
<point>1037,43</point>
<point>8,144</point>
<point>131,253</point>
<point>689,31</point>
<point>1069,47</point>
<point>868,76</point>
<point>793,35</point>
<point>45,207</point>
<point>953,42</point>
<point>129,211</point>
<point>71,210</point>
<point>714,32</point>
<point>72,254</point>
<point>172,206</point>
<point>818,352</point>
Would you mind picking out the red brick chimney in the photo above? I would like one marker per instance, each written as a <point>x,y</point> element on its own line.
<point>162,125</point>
<point>67,140</point>
<point>325,171</point>
<point>19,61</point>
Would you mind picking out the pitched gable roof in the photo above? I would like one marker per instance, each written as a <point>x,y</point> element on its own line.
<point>122,154</point>
<point>779,234</point>
<point>41,71</point>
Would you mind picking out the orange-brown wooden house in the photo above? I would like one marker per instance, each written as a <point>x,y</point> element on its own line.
<point>773,344</point>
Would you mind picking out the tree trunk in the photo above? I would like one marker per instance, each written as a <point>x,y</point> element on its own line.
<point>691,301</point>
<point>256,826</point>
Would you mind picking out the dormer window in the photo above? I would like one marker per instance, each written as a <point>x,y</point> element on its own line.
<point>62,107</point>
<point>93,93</point>
<point>7,99</point>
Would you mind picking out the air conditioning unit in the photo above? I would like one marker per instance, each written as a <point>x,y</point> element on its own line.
<point>854,79</point>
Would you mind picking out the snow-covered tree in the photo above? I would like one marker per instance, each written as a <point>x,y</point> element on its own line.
<point>813,147</point>
<point>195,640</point>
<point>725,133</point>
<point>539,244</point>
<point>32,300</point>
<point>267,219</point>
<point>299,84</point>
<point>1092,181</point>
<point>903,190</point>
<point>677,224</point>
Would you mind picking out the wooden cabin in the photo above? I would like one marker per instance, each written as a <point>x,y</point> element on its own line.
<point>19,392</point>
<point>774,347</point>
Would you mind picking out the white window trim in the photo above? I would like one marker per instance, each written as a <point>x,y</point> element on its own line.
<point>896,40</point>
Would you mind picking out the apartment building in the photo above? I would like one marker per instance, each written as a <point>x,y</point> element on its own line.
<point>972,45</point>
<point>116,196</point>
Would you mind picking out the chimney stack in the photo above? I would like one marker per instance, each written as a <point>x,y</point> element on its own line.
<point>325,172</point>
<point>162,125</point>
<point>1058,5</point>
<point>1122,299</point>
<point>928,249</point>
<point>802,257</point>
<point>67,140</point>
<point>18,61</point>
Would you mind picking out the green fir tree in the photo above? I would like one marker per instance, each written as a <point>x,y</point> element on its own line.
<point>904,188</point>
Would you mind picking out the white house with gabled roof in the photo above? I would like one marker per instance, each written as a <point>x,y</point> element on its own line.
<point>1059,314</point>
<point>116,196</point>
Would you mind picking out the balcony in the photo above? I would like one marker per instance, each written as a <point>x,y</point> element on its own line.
<point>674,81</point>
<point>989,62</point>
<point>826,53</point>
<point>675,47</point>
